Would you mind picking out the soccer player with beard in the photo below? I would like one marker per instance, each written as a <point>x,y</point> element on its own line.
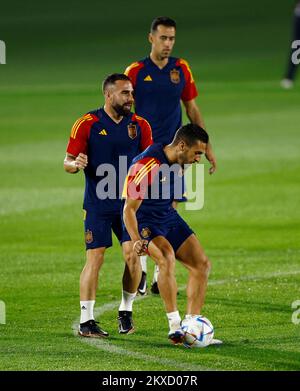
<point>160,83</point>
<point>99,138</point>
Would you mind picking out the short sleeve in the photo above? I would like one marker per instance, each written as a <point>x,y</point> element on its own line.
<point>190,90</point>
<point>146,132</point>
<point>132,71</point>
<point>80,133</point>
<point>140,177</point>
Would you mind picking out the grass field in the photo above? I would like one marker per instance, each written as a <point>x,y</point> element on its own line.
<point>249,225</point>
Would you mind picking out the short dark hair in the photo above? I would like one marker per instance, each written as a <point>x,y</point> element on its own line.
<point>190,133</point>
<point>164,20</point>
<point>111,79</point>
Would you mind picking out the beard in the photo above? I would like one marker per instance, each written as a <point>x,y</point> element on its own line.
<point>121,110</point>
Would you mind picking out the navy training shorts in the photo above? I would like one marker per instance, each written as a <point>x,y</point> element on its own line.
<point>98,228</point>
<point>176,233</point>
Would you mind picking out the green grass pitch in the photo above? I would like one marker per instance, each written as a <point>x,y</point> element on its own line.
<point>57,56</point>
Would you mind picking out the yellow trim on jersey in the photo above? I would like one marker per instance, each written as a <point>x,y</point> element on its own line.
<point>87,116</point>
<point>184,62</point>
<point>150,168</point>
<point>131,66</point>
<point>125,187</point>
<point>84,214</point>
<point>144,168</point>
<point>124,192</point>
<point>75,130</point>
<point>144,119</point>
<point>148,78</point>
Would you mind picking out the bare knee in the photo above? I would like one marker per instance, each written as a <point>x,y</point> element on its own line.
<point>128,256</point>
<point>131,258</point>
<point>94,261</point>
<point>166,263</point>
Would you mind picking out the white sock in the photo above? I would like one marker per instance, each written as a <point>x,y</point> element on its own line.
<point>143,260</point>
<point>190,316</point>
<point>127,301</point>
<point>87,310</point>
<point>155,274</point>
<point>174,321</point>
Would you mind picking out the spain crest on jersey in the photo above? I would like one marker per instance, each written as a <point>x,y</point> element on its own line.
<point>89,236</point>
<point>132,131</point>
<point>175,76</point>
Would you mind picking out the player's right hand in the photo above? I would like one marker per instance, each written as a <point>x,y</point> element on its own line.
<point>210,156</point>
<point>81,161</point>
<point>140,247</point>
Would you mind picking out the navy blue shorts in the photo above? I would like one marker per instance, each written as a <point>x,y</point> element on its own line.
<point>98,228</point>
<point>176,233</point>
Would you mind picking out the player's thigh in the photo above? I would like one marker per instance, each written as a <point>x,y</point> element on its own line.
<point>161,251</point>
<point>192,254</point>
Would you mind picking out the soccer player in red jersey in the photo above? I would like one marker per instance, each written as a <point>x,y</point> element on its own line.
<point>160,83</point>
<point>98,140</point>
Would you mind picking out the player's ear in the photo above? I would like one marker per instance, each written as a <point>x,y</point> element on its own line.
<point>181,145</point>
<point>150,38</point>
<point>108,93</point>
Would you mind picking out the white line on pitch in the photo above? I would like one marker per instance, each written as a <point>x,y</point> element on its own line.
<point>106,346</point>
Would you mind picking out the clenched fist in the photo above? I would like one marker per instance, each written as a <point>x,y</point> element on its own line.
<point>140,247</point>
<point>81,161</point>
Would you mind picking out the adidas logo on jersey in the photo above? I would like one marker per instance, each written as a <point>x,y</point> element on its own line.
<point>148,78</point>
<point>103,132</point>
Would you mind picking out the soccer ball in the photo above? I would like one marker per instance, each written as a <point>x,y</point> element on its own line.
<point>198,331</point>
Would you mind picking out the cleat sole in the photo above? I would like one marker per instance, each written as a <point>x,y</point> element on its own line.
<point>131,331</point>
<point>91,335</point>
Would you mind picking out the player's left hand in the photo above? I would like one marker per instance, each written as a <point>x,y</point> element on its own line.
<point>210,156</point>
